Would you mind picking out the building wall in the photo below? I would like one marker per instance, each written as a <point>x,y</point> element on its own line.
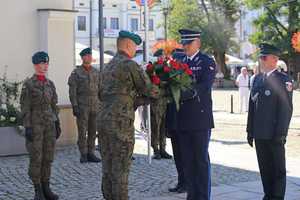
<point>124,10</point>
<point>24,32</point>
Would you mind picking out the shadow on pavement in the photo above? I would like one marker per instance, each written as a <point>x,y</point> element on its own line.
<point>225,142</point>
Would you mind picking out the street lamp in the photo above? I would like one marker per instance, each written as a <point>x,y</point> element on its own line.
<point>166,9</point>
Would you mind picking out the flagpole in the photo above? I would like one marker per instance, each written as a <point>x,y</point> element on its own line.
<point>146,22</point>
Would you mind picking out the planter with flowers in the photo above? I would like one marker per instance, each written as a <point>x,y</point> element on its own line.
<point>12,141</point>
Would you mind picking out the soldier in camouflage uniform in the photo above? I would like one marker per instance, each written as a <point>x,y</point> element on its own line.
<point>83,91</point>
<point>158,118</point>
<point>42,128</point>
<point>122,81</point>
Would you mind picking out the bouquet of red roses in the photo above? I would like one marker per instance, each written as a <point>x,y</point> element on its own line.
<point>176,76</point>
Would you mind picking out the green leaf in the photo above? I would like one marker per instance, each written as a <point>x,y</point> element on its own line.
<point>176,95</point>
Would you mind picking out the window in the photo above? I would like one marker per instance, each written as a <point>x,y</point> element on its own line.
<point>151,25</point>
<point>81,20</point>
<point>104,23</point>
<point>134,24</point>
<point>114,23</point>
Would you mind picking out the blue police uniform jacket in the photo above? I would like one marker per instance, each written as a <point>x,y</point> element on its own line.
<point>270,106</point>
<point>195,111</point>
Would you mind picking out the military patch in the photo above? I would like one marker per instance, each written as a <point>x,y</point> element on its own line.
<point>267,92</point>
<point>289,86</point>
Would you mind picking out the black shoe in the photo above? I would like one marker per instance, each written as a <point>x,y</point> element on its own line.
<point>39,194</point>
<point>178,189</point>
<point>181,189</point>
<point>165,155</point>
<point>266,197</point>
<point>93,158</point>
<point>83,158</point>
<point>49,195</point>
<point>156,155</point>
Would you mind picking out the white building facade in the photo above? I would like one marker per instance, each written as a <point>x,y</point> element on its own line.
<point>245,29</point>
<point>117,15</point>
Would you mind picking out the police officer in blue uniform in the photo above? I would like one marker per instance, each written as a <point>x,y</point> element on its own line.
<point>193,122</point>
<point>270,112</point>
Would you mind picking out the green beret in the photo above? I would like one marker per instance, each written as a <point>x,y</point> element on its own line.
<point>40,57</point>
<point>267,49</point>
<point>158,53</point>
<point>134,37</point>
<point>85,51</point>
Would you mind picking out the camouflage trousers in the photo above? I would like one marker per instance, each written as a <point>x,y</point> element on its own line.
<point>158,120</point>
<point>116,148</point>
<point>86,124</point>
<point>41,152</point>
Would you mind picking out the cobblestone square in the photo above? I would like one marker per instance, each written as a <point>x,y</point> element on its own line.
<point>233,163</point>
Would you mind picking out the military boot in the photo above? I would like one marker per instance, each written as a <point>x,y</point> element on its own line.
<point>165,155</point>
<point>92,158</point>
<point>48,193</point>
<point>39,194</point>
<point>156,155</point>
<point>83,158</point>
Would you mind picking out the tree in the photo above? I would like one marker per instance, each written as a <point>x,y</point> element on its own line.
<point>216,20</point>
<point>279,21</point>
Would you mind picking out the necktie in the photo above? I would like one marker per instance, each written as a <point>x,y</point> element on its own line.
<point>265,77</point>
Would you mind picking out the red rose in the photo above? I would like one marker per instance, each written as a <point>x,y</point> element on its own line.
<point>167,69</point>
<point>160,61</point>
<point>150,67</point>
<point>184,66</point>
<point>175,64</point>
<point>155,80</point>
<point>188,71</point>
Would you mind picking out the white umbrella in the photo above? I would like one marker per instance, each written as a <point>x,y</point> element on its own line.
<point>79,47</point>
<point>231,60</point>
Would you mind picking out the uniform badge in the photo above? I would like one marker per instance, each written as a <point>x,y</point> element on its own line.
<point>267,92</point>
<point>289,86</point>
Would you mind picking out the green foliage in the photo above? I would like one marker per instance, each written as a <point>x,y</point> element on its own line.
<point>216,20</point>
<point>276,25</point>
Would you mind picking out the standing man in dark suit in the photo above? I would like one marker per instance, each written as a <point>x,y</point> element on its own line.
<point>270,112</point>
<point>193,122</point>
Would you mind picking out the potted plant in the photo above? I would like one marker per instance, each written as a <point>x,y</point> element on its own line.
<point>12,140</point>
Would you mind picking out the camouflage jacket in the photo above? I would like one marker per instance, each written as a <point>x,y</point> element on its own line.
<point>122,81</point>
<point>84,88</point>
<point>38,102</point>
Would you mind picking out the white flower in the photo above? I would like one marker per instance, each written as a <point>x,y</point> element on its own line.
<point>12,119</point>
<point>16,105</point>
<point>2,118</point>
<point>21,128</point>
<point>4,107</point>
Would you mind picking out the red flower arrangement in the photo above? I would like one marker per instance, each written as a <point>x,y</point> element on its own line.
<point>168,72</point>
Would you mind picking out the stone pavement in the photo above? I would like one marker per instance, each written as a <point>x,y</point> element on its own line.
<point>234,167</point>
<point>242,191</point>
